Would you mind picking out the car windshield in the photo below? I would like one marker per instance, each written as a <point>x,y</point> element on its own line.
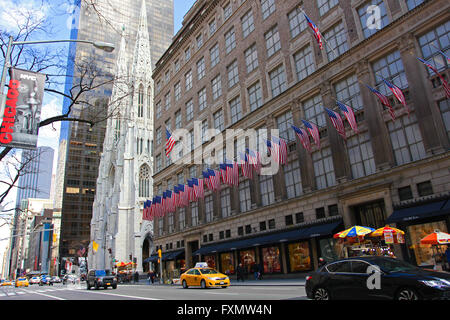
<point>208,271</point>
<point>101,273</point>
<point>393,265</point>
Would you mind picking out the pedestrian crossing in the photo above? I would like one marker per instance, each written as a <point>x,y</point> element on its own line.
<point>10,292</point>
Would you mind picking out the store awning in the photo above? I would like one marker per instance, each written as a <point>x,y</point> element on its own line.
<point>173,255</point>
<point>419,212</point>
<point>152,258</point>
<point>165,256</point>
<point>297,234</point>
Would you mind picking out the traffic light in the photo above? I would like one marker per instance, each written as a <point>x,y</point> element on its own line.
<point>159,253</point>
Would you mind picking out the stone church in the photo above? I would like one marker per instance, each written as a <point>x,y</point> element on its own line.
<point>125,173</point>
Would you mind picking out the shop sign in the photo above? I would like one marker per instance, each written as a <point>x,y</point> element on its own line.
<point>400,238</point>
<point>388,237</point>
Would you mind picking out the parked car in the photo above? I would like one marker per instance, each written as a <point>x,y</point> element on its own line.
<point>5,283</point>
<point>35,280</point>
<point>372,277</point>
<point>22,282</point>
<point>205,277</point>
<point>100,278</point>
<point>55,279</point>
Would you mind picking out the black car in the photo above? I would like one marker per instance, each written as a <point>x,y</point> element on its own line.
<point>100,278</point>
<point>372,277</point>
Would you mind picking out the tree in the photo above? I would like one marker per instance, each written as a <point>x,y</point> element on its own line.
<point>89,77</point>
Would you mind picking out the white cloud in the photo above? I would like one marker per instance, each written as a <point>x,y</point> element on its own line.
<point>14,13</point>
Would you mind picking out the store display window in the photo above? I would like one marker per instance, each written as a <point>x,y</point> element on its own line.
<point>227,263</point>
<point>210,260</point>
<point>299,256</point>
<point>271,259</point>
<point>247,258</point>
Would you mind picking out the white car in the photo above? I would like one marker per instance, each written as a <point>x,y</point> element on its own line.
<point>35,280</point>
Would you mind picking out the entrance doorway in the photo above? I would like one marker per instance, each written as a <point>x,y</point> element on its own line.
<point>371,214</point>
<point>192,247</point>
<point>146,253</point>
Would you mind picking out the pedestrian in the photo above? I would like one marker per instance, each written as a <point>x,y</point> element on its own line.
<point>240,273</point>
<point>260,270</point>
<point>149,276</point>
<point>322,262</point>
<point>254,269</point>
<point>136,277</point>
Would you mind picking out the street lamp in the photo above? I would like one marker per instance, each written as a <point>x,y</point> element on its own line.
<point>108,47</point>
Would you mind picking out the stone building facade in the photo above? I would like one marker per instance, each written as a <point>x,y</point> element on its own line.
<point>256,64</point>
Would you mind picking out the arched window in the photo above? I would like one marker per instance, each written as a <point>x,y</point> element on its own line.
<point>141,101</point>
<point>144,181</point>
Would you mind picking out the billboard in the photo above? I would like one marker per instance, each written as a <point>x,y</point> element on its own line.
<point>22,111</point>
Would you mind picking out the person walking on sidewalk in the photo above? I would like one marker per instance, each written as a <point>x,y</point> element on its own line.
<point>260,270</point>
<point>136,277</point>
<point>254,270</point>
<point>240,273</point>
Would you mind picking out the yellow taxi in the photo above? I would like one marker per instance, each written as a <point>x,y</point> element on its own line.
<point>6,283</point>
<point>22,282</point>
<point>205,277</point>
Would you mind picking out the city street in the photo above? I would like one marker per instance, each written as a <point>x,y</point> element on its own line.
<point>250,290</point>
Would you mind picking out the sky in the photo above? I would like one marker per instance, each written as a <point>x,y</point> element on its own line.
<point>58,13</point>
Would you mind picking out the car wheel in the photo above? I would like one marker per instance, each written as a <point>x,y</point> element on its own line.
<point>224,287</point>
<point>203,284</point>
<point>407,294</point>
<point>321,294</point>
<point>185,286</point>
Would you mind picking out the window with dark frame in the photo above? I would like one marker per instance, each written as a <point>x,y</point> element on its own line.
<point>299,218</point>
<point>289,220</point>
<point>405,193</point>
<point>262,226</point>
<point>320,213</point>
<point>424,188</point>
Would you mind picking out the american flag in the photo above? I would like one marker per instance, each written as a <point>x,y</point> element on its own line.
<point>313,131</point>
<point>170,203</point>
<point>214,178</point>
<point>384,100</point>
<point>255,160</point>
<point>337,122</point>
<point>164,204</point>
<point>444,82</point>
<point>184,195</point>
<point>207,180</point>
<point>269,146</point>
<point>246,166</point>
<point>315,30</point>
<point>176,197</point>
<point>397,93</point>
<point>198,188</point>
<point>158,208</point>
<point>170,143</point>
<point>279,147</point>
<point>227,172</point>
<point>302,134</point>
<point>146,213</point>
<point>349,114</point>
<point>192,193</point>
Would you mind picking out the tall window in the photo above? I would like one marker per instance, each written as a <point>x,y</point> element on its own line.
<point>323,168</point>
<point>214,54</point>
<point>194,214</point>
<point>209,208</point>
<point>406,139</point>
<point>326,5</point>
<point>251,58</point>
<point>370,27</point>
<point>171,222</point>
<point>278,81</point>
<point>225,202</point>
<point>178,119</point>
<point>233,74</point>
<point>292,177</point>
<point>390,67</point>
<point>205,137</point>
<point>413,3</point>
<point>144,181</point>
<point>230,40</point>
<point>314,111</point>
<point>158,109</point>
<point>158,136</point>
<point>297,22</point>
<point>444,106</point>
<point>273,43</point>
<point>227,11</point>
<point>181,219</point>
<point>141,101</point>
<point>361,156</point>
<point>255,96</point>
<point>434,41</point>
<point>245,200</point>
<point>266,188</point>
<point>347,91</point>
<point>218,120</point>
<point>188,80</point>
<point>284,123</point>
<point>236,109</point>
<point>336,38</point>
<point>304,63</point>
<point>199,40</point>
<point>189,110</point>
<point>177,91</point>
<point>267,8</point>
<point>187,54</point>
<point>216,85</point>
<point>212,27</point>
<point>248,24</point>
<point>202,99</point>
<point>201,71</point>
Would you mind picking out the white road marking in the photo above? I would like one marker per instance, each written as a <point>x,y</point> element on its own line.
<point>121,295</point>
<point>47,295</point>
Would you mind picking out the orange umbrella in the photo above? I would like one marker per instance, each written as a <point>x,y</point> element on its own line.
<point>436,237</point>
<point>380,232</point>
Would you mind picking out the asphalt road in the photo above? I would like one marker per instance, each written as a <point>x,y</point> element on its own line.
<point>152,292</point>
